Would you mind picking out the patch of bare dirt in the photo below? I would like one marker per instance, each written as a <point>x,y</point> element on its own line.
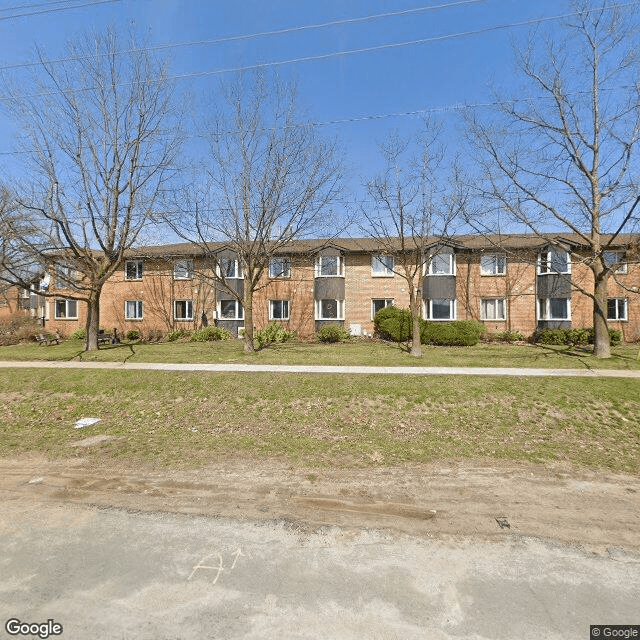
<point>448,499</point>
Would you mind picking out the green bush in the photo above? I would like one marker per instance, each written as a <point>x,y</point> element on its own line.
<point>550,336</point>
<point>79,334</point>
<point>508,336</point>
<point>393,324</point>
<point>210,334</point>
<point>273,333</point>
<point>462,333</point>
<point>132,335</point>
<point>615,337</point>
<point>576,337</point>
<point>332,333</point>
<point>176,334</point>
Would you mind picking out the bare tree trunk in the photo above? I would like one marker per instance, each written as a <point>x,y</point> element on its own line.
<point>601,342</point>
<point>416,345</point>
<point>248,321</point>
<point>93,321</point>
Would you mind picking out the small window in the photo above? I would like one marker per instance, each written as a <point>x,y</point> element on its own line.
<point>183,270</point>
<point>554,261</point>
<point>493,264</point>
<point>492,309</point>
<point>440,309</point>
<point>327,266</point>
<point>278,309</point>
<point>617,309</point>
<point>133,310</point>
<point>230,310</point>
<point>279,268</point>
<point>66,309</point>
<point>382,266</point>
<point>183,309</point>
<point>442,264</point>
<point>65,275</point>
<point>329,309</point>
<point>615,259</point>
<point>229,269</point>
<point>378,304</point>
<point>133,270</point>
<point>554,309</point>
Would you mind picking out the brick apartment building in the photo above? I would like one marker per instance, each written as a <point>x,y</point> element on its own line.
<point>518,283</point>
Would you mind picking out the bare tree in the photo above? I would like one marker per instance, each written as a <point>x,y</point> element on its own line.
<point>100,138</point>
<point>270,180</point>
<point>563,158</point>
<point>411,210</point>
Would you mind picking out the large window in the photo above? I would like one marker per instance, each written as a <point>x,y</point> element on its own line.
<point>66,309</point>
<point>442,264</point>
<point>492,309</point>
<point>554,309</point>
<point>183,309</point>
<point>279,268</point>
<point>327,266</point>
<point>329,309</point>
<point>229,268</point>
<point>133,310</point>
<point>615,259</point>
<point>278,309</point>
<point>617,309</point>
<point>440,309</point>
<point>183,270</point>
<point>378,304</point>
<point>554,261</point>
<point>493,264</point>
<point>382,266</point>
<point>230,310</point>
<point>133,270</point>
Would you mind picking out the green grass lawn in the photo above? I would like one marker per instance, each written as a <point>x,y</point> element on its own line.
<point>356,352</point>
<point>179,420</point>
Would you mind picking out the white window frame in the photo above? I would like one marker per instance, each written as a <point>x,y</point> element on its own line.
<point>188,317</point>
<point>616,257</point>
<point>283,303</point>
<point>339,307</point>
<point>238,308</point>
<point>66,275</point>
<point>388,302</point>
<point>181,267</point>
<point>497,302</point>
<point>67,315</point>
<point>439,254</point>
<point>237,269</point>
<point>283,269</point>
<point>380,267</point>
<point>496,258</point>
<point>545,260</point>
<point>139,310</point>
<point>339,265</point>
<point>139,269</point>
<point>543,310</point>
<point>625,308</point>
<point>428,309</point>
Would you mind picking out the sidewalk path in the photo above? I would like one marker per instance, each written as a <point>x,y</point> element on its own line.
<point>265,368</point>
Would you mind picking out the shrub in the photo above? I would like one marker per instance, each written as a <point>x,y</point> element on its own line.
<point>79,334</point>
<point>392,323</point>
<point>176,334</point>
<point>463,333</point>
<point>273,333</point>
<point>153,335</point>
<point>134,334</point>
<point>615,337</point>
<point>578,336</point>
<point>507,336</point>
<point>210,334</point>
<point>19,330</point>
<point>332,333</point>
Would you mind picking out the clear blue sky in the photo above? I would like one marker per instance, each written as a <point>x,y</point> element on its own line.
<point>440,74</point>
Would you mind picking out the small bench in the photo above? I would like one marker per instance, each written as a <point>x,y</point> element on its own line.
<point>108,337</point>
<point>48,339</point>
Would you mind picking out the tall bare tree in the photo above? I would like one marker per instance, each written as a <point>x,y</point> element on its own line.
<point>270,179</point>
<point>100,137</point>
<point>562,156</point>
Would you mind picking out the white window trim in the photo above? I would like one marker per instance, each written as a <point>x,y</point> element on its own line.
<point>547,260</point>
<point>66,317</point>
<point>494,300</point>
<point>283,275</point>
<point>237,270</point>
<point>546,317</point>
<point>622,267</point>
<point>452,264</point>
<point>340,273</point>
<point>271,309</point>
<point>385,272</point>
<point>497,256</point>
<point>189,269</point>
<point>186,318</point>
<point>318,309</point>
<point>391,302</point>
<point>139,267</point>
<point>140,304</point>
<point>238,316</point>
<point>428,310</point>
<point>626,310</point>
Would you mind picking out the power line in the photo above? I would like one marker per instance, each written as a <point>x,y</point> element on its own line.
<point>52,10</point>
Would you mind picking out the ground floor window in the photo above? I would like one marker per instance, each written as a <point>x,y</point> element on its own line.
<point>66,309</point>
<point>183,309</point>
<point>329,309</point>
<point>492,309</point>
<point>440,309</point>
<point>230,310</point>
<point>380,303</point>
<point>554,309</point>
<point>133,310</point>
<point>617,309</point>
<point>278,309</point>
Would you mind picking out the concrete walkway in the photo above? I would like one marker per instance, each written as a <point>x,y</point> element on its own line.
<point>265,368</point>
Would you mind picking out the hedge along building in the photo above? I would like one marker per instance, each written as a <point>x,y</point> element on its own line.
<point>517,283</point>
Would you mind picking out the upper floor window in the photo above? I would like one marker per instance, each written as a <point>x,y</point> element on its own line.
<point>65,274</point>
<point>279,268</point>
<point>617,309</point>
<point>66,309</point>
<point>229,268</point>
<point>382,266</point>
<point>554,260</point>
<point>183,270</point>
<point>493,264</point>
<point>615,259</point>
<point>133,270</point>
<point>442,264</point>
<point>327,266</point>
